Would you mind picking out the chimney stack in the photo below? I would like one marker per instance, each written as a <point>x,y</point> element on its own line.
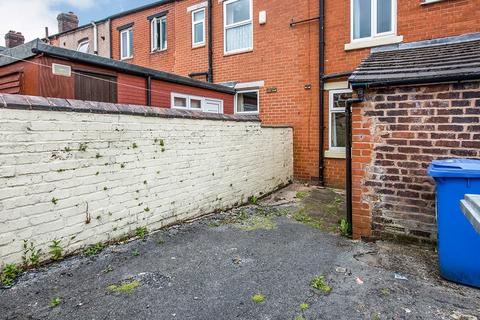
<point>13,39</point>
<point>67,22</point>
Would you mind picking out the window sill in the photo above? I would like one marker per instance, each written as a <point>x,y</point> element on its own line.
<point>228,54</point>
<point>335,154</point>
<point>425,2</point>
<point>374,42</point>
<point>126,59</point>
<point>197,46</point>
<point>158,51</point>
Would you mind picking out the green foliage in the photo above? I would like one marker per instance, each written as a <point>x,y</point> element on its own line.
<point>54,200</point>
<point>98,155</point>
<point>141,232</point>
<point>135,253</point>
<point>122,165</point>
<point>31,256</point>
<point>9,274</point>
<point>67,149</point>
<point>299,318</point>
<point>126,287</point>
<point>301,195</point>
<point>56,250</point>
<point>147,209</point>
<point>55,302</point>
<point>258,298</point>
<point>60,170</point>
<point>304,306</point>
<point>304,218</point>
<point>134,145</point>
<point>94,249</point>
<point>319,283</point>
<point>253,200</point>
<point>344,228</point>
<point>82,147</point>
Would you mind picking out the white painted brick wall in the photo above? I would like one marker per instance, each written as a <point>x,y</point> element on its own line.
<point>207,165</point>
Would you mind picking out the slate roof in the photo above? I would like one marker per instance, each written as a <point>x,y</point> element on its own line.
<point>35,47</point>
<point>437,62</point>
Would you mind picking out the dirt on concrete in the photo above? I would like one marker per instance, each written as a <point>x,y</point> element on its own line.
<point>254,262</point>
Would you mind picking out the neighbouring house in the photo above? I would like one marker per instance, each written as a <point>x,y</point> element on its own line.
<point>13,39</point>
<point>38,69</point>
<point>93,38</point>
<point>421,103</point>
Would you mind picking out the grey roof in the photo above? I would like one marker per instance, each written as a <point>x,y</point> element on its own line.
<point>35,47</point>
<point>431,63</point>
<point>2,48</point>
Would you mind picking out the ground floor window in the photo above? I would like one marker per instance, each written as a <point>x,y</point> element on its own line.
<point>247,102</point>
<point>189,102</point>
<point>337,103</point>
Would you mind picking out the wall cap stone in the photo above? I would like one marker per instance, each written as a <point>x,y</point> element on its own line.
<point>23,102</point>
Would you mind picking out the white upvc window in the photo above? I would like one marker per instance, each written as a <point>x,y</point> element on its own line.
<point>336,134</point>
<point>126,43</point>
<point>247,102</point>
<point>238,26</point>
<point>189,102</point>
<point>373,18</point>
<point>198,27</point>
<point>158,33</point>
<point>83,46</point>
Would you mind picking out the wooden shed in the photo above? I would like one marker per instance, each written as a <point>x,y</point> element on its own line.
<point>38,69</point>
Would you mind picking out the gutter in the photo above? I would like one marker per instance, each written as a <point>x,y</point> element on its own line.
<point>348,158</point>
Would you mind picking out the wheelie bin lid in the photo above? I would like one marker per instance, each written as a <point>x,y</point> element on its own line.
<point>455,168</point>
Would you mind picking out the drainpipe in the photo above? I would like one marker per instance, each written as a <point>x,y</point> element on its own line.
<point>321,116</point>
<point>110,34</point>
<point>210,42</point>
<point>348,158</point>
<point>95,38</point>
<point>149,91</point>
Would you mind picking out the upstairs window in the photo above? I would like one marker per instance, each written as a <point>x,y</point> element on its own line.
<point>238,24</point>
<point>126,43</point>
<point>373,18</point>
<point>159,33</point>
<point>198,27</point>
<point>83,46</point>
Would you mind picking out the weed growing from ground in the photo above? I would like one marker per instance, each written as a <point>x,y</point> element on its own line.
<point>126,287</point>
<point>304,218</point>
<point>253,200</point>
<point>304,306</point>
<point>299,318</point>
<point>54,200</point>
<point>108,269</point>
<point>134,146</point>
<point>319,283</point>
<point>82,147</point>
<point>55,250</point>
<point>55,302</point>
<point>9,274</point>
<point>344,228</point>
<point>135,253</point>
<point>141,232</point>
<point>31,255</point>
<point>258,298</point>
<point>94,249</point>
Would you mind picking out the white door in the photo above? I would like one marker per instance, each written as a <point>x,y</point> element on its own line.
<point>213,106</point>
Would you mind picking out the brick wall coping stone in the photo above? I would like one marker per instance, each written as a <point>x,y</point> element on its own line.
<point>11,101</point>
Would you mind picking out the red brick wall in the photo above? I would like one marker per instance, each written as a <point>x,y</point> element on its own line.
<point>287,58</point>
<point>396,135</point>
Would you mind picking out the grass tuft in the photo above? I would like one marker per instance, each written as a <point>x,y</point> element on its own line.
<point>258,298</point>
<point>126,287</point>
<point>320,284</point>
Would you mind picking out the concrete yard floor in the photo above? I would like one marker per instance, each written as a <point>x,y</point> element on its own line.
<point>210,269</point>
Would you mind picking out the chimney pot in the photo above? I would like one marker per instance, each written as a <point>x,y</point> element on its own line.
<point>13,39</point>
<point>67,21</point>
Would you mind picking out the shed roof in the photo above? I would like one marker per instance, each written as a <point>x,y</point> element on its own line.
<point>433,62</point>
<point>35,47</point>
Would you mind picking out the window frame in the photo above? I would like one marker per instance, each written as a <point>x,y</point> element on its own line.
<point>331,111</point>
<point>198,44</point>
<point>189,99</point>
<point>153,31</point>
<point>129,32</point>
<point>83,42</point>
<point>234,25</point>
<point>373,22</point>
<point>247,112</point>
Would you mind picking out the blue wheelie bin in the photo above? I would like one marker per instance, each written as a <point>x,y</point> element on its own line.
<point>458,241</point>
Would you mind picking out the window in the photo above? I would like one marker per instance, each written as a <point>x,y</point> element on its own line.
<point>83,46</point>
<point>247,102</point>
<point>126,43</point>
<point>198,27</point>
<point>337,103</point>
<point>238,22</point>
<point>185,101</point>
<point>373,18</point>
<point>159,33</point>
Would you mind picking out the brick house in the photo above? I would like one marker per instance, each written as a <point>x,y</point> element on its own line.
<point>291,65</point>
